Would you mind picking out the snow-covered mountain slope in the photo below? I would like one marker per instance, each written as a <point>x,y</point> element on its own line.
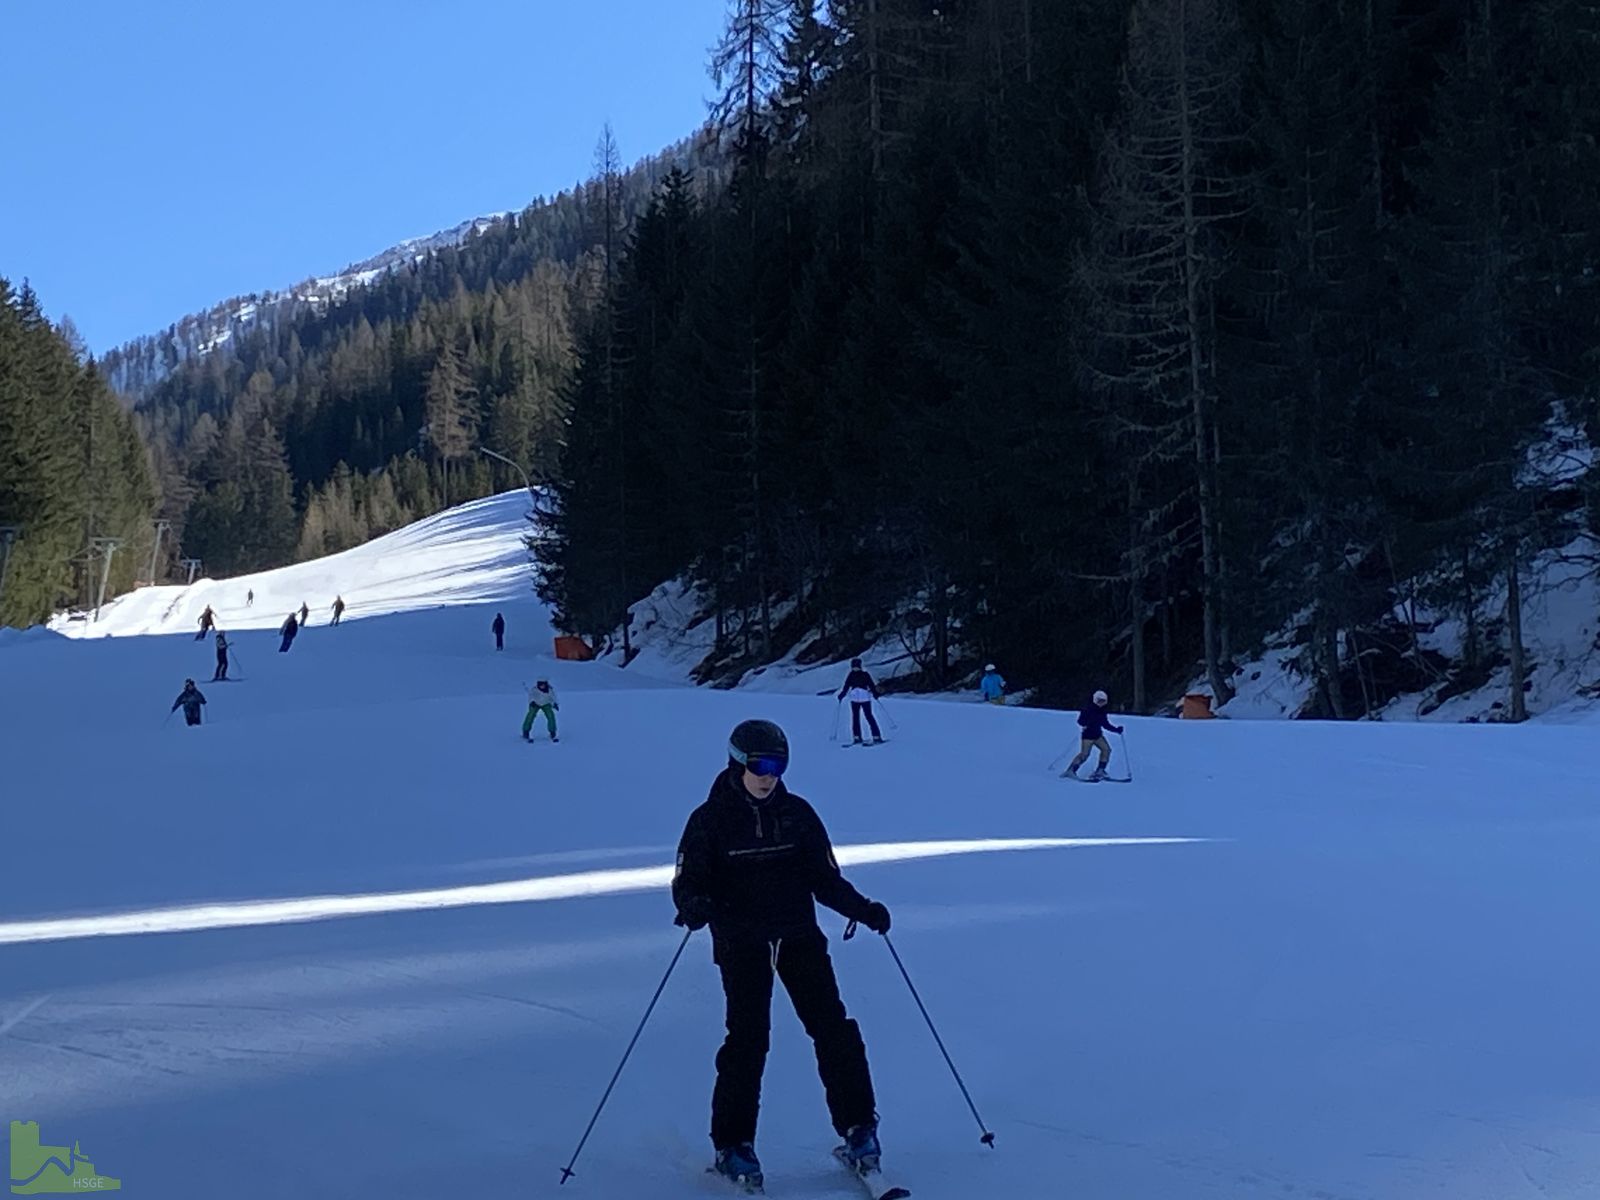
<point>472,554</point>
<point>1561,635</point>
<point>136,368</point>
<point>354,909</point>
<point>1560,602</point>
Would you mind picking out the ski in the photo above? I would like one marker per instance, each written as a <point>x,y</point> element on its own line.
<point>1102,779</point>
<point>873,1181</point>
<point>742,1185</point>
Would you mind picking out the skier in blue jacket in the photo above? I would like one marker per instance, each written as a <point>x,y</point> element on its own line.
<point>1094,721</point>
<point>992,685</point>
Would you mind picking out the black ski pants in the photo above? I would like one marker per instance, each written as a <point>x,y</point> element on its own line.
<point>857,708</point>
<point>191,716</point>
<point>802,962</point>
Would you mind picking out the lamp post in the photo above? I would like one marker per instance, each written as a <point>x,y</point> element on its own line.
<point>105,547</point>
<point>155,550</point>
<point>540,532</point>
<point>533,496</point>
<point>528,483</point>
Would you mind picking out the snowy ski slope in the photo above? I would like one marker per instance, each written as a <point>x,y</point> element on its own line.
<point>353,937</point>
<point>471,554</point>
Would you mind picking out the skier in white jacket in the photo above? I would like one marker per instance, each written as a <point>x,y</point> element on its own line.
<point>541,699</point>
<point>861,689</point>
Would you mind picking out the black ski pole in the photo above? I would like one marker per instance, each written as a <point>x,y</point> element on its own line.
<point>566,1171</point>
<point>1128,762</point>
<point>988,1138</point>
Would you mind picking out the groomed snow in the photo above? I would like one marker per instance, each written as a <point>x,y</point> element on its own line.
<point>1290,959</point>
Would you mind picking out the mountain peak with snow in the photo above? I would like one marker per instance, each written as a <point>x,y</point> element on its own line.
<point>133,371</point>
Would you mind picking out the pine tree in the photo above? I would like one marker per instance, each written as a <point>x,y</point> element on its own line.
<point>1170,188</point>
<point>452,412</point>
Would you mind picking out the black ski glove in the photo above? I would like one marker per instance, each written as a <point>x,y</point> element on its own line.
<point>694,913</point>
<point>876,918</point>
<point>1114,728</point>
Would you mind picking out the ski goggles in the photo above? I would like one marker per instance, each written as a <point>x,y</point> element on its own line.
<point>760,764</point>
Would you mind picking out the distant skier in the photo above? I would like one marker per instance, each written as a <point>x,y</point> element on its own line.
<point>541,699</point>
<point>1094,721</point>
<point>499,628</point>
<point>191,700</point>
<point>222,658</point>
<point>208,620</point>
<point>861,689</point>
<point>753,861</point>
<point>289,629</point>
<point>305,613</point>
<point>250,597</point>
<point>338,609</point>
<point>992,685</point>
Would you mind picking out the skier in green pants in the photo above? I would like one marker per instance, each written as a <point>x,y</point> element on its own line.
<point>541,699</point>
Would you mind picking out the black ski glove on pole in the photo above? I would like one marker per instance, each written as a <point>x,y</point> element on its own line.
<point>694,913</point>
<point>876,918</point>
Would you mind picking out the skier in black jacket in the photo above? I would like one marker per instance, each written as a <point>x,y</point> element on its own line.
<point>191,698</point>
<point>1094,721</point>
<point>861,689</point>
<point>753,861</point>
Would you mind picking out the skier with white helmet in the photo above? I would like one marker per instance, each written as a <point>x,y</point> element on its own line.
<point>1094,721</point>
<point>992,686</point>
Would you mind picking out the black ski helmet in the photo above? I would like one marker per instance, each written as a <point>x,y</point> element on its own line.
<point>855,662</point>
<point>756,739</point>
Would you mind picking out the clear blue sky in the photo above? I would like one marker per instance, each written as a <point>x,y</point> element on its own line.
<point>158,157</point>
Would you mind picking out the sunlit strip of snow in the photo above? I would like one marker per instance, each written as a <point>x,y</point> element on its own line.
<point>242,913</point>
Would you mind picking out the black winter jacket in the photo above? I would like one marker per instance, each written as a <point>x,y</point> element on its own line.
<point>191,699</point>
<point>1095,721</point>
<point>760,863</point>
<point>858,678</point>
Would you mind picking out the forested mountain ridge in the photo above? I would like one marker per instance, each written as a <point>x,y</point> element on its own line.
<point>283,427</point>
<point>133,370</point>
<point>1101,340</point>
<point>77,490</point>
<point>313,428</point>
<point>1106,338</point>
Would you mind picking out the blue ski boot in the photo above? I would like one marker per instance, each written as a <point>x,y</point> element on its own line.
<point>738,1164</point>
<point>861,1149</point>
